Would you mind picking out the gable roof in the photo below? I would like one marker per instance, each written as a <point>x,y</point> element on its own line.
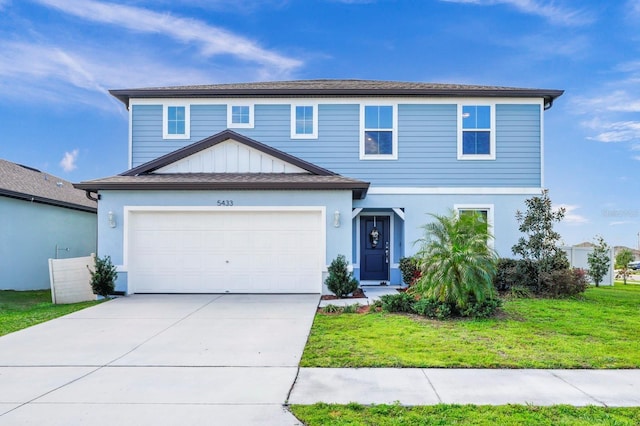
<point>327,87</point>
<point>148,177</point>
<point>216,139</point>
<point>26,183</point>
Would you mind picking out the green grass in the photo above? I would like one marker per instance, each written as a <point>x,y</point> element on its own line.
<point>22,309</point>
<point>354,414</point>
<point>598,330</point>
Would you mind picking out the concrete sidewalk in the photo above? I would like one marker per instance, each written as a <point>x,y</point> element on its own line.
<point>428,386</point>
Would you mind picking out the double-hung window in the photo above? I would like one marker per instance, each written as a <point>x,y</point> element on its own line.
<point>240,116</point>
<point>304,121</point>
<point>175,122</point>
<point>476,137</point>
<point>378,132</point>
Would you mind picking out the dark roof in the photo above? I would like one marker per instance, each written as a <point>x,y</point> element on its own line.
<point>228,181</point>
<point>144,178</point>
<point>203,144</point>
<point>27,183</point>
<point>303,88</point>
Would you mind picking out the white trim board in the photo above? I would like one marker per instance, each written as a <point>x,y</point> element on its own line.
<point>387,100</point>
<point>392,190</point>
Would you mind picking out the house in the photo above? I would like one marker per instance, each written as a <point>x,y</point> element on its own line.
<point>43,217</point>
<point>256,187</point>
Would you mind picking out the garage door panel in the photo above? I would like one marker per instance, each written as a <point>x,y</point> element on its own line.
<point>226,251</point>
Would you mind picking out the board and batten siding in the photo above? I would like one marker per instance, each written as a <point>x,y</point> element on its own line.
<point>427,143</point>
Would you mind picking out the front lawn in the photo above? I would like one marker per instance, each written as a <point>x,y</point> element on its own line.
<point>354,414</point>
<point>22,309</point>
<point>597,330</point>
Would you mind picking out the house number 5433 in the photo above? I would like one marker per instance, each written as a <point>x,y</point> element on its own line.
<point>226,203</point>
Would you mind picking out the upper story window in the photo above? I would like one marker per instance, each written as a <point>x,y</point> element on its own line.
<point>378,134</point>
<point>176,122</point>
<point>304,121</point>
<point>240,115</point>
<point>476,135</point>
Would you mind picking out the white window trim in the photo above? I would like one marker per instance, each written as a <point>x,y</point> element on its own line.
<point>165,121</point>
<point>492,135</point>
<point>394,132</point>
<point>490,220</point>
<point>314,131</point>
<point>232,125</point>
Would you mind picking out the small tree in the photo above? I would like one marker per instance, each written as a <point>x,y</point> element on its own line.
<point>598,260</point>
<point>456,264</point>
<point>540,243</point>
<point>103,277</point>
<point>622,262</point>
<point>340,281</point>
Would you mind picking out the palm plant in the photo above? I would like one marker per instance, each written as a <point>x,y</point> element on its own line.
<point>456,261</point>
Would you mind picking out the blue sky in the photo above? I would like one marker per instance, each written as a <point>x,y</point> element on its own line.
<point>58,58</point>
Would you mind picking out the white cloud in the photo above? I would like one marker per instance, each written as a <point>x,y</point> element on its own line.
<point>210,39</point>
<point>622,131</point>
<point>570,216</point>
<point>621,222</point>
<point>68,162</point>
<point>82,74</point>
<point>545,9</point>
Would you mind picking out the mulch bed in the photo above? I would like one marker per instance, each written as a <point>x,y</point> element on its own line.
<point>358,294</point>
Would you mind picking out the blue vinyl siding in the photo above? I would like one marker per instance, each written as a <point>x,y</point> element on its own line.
<point>427,143</point>
<point>30,233</point>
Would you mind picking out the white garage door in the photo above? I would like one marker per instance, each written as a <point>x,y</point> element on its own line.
<point>226,251</point>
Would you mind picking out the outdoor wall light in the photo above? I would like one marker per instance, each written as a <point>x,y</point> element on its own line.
<point>336,219</point>
<point>111,218</point>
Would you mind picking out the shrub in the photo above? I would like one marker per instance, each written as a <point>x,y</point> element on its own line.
<point>401,302</point>
<point>512,272</point>
<point>376,306</point>
<point>340,281</point>
<point>351,309</point>
<point>564,282</point>
<point>432,308</point>
<point>481,309</point>
<point>520,292</point>
<point>409,270</point>
<point>103,276</point>
<point>456,263</point>
<point>332,309</point>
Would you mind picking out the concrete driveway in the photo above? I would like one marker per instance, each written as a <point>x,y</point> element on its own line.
<point>158,359</point>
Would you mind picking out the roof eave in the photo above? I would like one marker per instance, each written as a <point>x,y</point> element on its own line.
<point>359,188</point>
<point>48,201</point>
<point>125,95</point>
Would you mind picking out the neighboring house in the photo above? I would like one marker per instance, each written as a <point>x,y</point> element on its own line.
<point>257,187</point>
<point>43,217</point>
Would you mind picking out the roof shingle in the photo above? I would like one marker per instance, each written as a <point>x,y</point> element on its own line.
<point>327,87</point>
<point>27,183</point>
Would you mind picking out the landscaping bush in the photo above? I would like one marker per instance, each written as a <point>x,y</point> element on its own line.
<point>516,272</point>
<point>103,277</point>
<point>401,302</point>
<point>332,309</point>
<point>432,308</point>
<point>564,282</point>
<point>409,270</point>
<point>455,260</point>
<point>351,309</point>
<point>340,281</point>
<point>483,309</point>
